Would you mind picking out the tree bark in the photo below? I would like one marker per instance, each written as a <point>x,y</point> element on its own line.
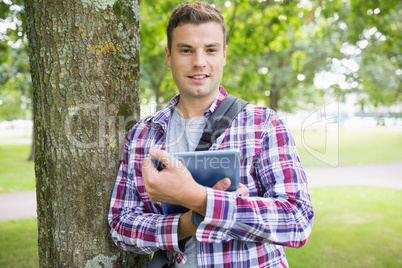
<point>84,58</point>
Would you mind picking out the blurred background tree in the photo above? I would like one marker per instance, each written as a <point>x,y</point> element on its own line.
<point>368,36</point>
<point>15,78</point>
<point>288,55</point>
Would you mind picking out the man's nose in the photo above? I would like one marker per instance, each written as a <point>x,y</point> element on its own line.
<point>199,59</point>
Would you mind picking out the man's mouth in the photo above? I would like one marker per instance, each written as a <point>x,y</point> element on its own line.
<point>198,76</point>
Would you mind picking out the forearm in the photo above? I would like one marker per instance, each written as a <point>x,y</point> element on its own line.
<point>195,199</point>
<point>136,223</point>
<point>255,219</point>
<point>144,233</point>
<point>186,228</point>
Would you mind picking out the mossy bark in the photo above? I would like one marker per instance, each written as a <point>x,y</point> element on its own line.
<point>85,61</point>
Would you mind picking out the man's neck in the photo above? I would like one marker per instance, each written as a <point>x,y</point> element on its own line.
<point>194,107</point>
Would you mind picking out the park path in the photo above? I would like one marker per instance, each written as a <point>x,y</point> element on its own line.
<point>388,175</point>
<point>15,206</point>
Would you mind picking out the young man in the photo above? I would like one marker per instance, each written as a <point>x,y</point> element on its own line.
<point>246,228</point>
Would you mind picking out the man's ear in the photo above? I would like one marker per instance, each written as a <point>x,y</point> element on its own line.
<point>168,57</point>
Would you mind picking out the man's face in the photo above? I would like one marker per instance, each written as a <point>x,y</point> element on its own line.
<point>197,58</point>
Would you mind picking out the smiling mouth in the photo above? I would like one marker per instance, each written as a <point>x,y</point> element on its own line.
<point>199,76</point>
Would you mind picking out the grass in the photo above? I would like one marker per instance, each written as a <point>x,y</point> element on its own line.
<point>350,147</point>
<point>353,147</point>
<point>18,246</point>
<point>353,226</point>
<point>357,226</point>
<point>16,173</point>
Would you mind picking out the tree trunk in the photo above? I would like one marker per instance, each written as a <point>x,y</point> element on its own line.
<point>274,99</point>
<point>32,154</point>
<point>84,59</point>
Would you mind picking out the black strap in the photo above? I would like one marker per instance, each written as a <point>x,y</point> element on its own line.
<point>220,120</point>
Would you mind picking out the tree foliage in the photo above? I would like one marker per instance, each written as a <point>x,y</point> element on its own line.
<point>15,78</point>
<point>273,53</point>
<point>369,34</point>
<point>279,50</point>
<point>276,50</point>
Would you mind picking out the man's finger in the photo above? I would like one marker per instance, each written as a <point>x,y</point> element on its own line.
<point>148,167</point>
<point>222,185</point>
<point>243,190</point>
<point>162,156</point>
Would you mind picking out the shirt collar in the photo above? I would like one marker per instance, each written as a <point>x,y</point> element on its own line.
<point>222,94</point>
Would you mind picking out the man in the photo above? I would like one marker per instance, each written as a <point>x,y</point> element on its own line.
<point>245,228</point>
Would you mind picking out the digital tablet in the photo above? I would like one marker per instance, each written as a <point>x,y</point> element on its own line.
<point>207,168</point>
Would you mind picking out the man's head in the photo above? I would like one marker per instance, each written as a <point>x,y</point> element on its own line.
<point>194,13</point>
<point>196,51</point>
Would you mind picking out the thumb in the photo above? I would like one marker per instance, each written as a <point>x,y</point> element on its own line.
<point>222,185</point>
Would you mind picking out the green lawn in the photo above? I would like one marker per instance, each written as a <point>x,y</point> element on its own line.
<point>18,244</point>
<point>351,147</point>
<point>354,227</point>
<point>357,226</point>
<point>16,173</point>
<point>354,147</point>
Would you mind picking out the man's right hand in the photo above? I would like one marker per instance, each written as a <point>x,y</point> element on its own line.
<point>174,184</point>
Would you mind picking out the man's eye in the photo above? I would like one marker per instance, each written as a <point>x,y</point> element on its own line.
<point>186,50</point>
<point>212,50</point>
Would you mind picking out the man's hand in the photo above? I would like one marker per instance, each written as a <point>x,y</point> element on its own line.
<point>174,184</point>
<point>224,184</point>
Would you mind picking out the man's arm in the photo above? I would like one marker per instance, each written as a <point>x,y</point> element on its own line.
<point>280,214</point>
<point>186,227</point>
<point>136,223</point>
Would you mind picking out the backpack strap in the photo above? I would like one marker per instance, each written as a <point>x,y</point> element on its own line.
<point>220,120</point>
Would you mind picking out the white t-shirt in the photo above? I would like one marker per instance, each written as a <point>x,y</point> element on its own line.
<point>183,135</point>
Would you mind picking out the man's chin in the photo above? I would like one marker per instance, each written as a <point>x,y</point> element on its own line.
<point>200,92</point>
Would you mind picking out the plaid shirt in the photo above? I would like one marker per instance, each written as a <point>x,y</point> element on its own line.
<point>237,231</point>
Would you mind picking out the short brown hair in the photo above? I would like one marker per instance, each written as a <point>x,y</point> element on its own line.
<point>194,13</point>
